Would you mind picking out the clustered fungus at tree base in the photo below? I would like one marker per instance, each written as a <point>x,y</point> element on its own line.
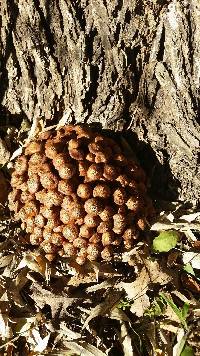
<point>78,196</point>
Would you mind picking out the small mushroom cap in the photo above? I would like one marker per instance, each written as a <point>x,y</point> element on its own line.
<point>33,147</point>
<point>130,234</point>
<point>81,260</point>
<point>95,172</point>
<point>77,154</point>
<point>93,206</point>
<point>39,220</point>
<point>69,249</point>
<point>107,213</point>
<point>86,231</point>
<point>49,212</point>
<point>120,221</point>
<point>67,187</point>
<point>102,190</point>
<point>107,238</point>
<point>105,226</point>
<point>96,238</point>
<point>51,149</point>
<point>52,197</point>
<point>49,180</point>
<point>21,165</point>
<point>70,232</point>
<point>110,172</point>
<point>77,210</point>
<point>92,220</point>
<point>120,196</point>
<point>107,253</point>
<point>123,180</point>
<point>60,160</point>
<point>83,168</point>
<point>142,223</point>
<point>93,252</point>
<point>67,202</point>
<point>133,204</point>
<point>31,208</point>
<point>79,242</point>
<point>65,216</point>
<point>48,247</point>
<point>67,171</point>
<point>84,191</point>
<point>57,239</point>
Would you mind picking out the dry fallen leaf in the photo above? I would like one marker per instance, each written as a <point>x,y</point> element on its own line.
<point>4,153</point>
<point>58,302</point>
<point>83,348</point>
<point>5,260</point>
<point>125,337</point>
<point>136,291</point>
<point>40,344</point>
<point>190,217</point>
<point>193,258</point>
<point>105,307</point>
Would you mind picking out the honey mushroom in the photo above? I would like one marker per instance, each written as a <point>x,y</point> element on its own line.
<point>78,196</point>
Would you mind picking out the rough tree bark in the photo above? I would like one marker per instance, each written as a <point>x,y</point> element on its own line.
<point>131,65</point>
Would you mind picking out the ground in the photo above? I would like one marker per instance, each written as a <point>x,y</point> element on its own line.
<point>130,67</point>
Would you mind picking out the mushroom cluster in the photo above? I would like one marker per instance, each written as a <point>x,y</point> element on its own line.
<point>77,195</point>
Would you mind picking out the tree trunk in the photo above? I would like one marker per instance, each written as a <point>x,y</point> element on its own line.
<point>131,65</point>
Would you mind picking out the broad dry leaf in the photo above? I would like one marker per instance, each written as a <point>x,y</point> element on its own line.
<point>183,298</point>
<point>193,258</point>
<point>65,119</point>
<point>69,334</point>
<point>103,308</point>
<point>3,324</point>
<point>156,273</point>
<point>119,314</point>
<point>125,337</point>
<point>31,261</point>
<point>15,154</point>
<point>83,349</point>
<point>140,305</point>
<point>36,128</point>
<point>136,255</point>
<point>136,291</point>
<point>23,325</point>
<point>5,260</point>
<point>103,285</point>
<point>58,303</point>
<point>126,340</point>
<point>181,226</point>
<point>168,327</point>
<point>190,217</point>
<point>190,235</point>
<point>40,343</point>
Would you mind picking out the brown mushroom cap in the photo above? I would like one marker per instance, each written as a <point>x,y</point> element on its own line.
<point>93,206</point>
<point>84,191</point>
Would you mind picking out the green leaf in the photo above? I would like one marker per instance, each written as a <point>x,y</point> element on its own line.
<point>185,310</point>
<point>187,351</point>
<point>189,269</point>
<point>181,313</point>
<point>165,241</point>
<point>124,304</point>
<point>156,309</point>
